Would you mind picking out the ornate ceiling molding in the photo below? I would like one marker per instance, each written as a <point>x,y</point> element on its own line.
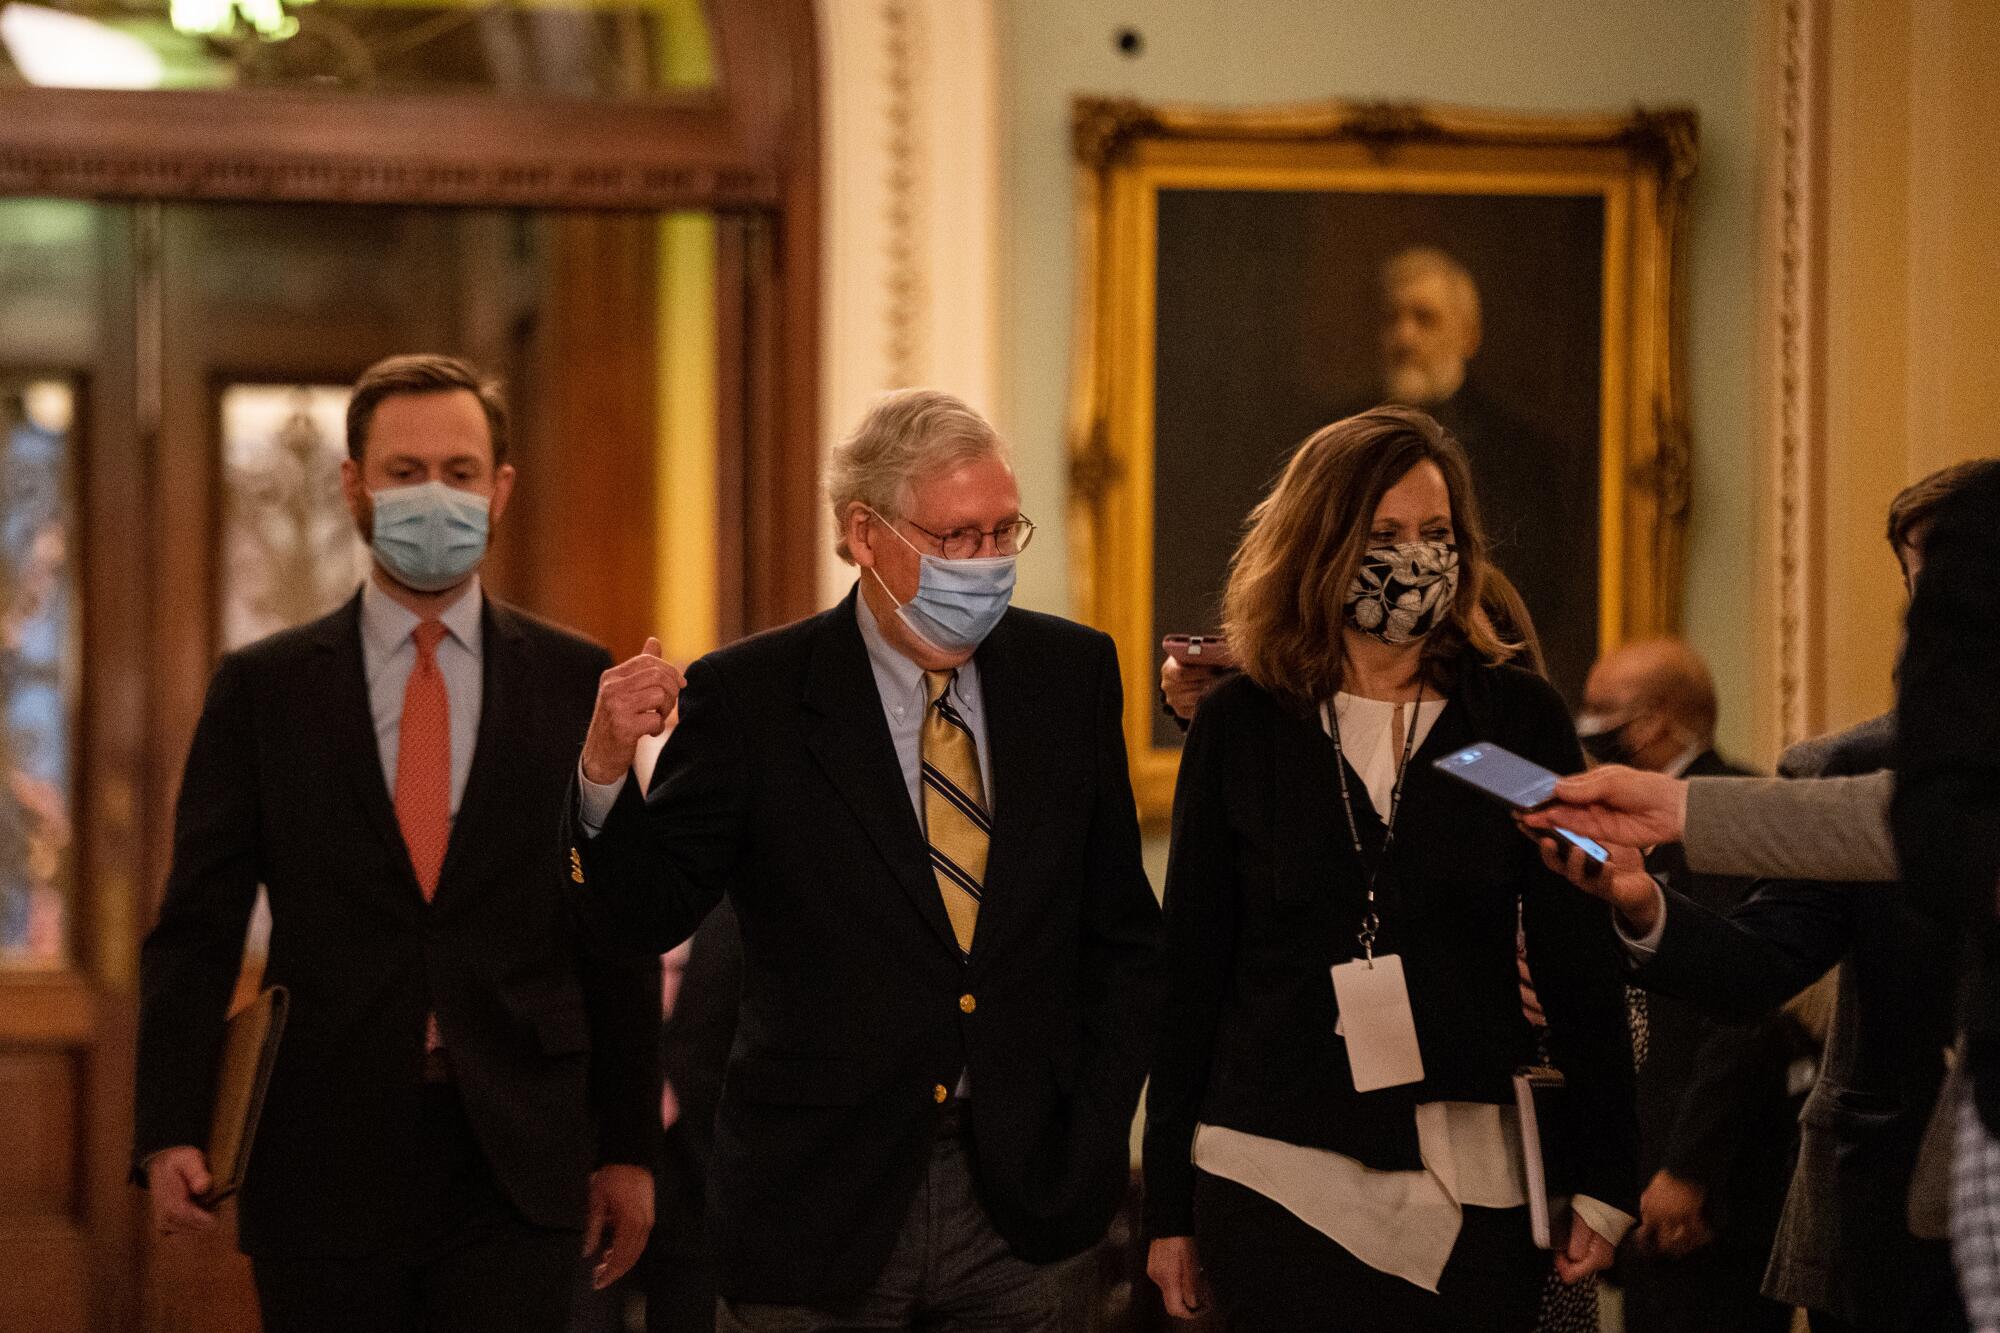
<point>140,175</point>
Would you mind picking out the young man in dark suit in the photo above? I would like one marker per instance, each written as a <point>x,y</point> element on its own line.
<point>463,1089</point>
<point>918,804</point>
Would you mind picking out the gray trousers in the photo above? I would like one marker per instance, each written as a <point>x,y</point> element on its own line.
<point>949,1273</point>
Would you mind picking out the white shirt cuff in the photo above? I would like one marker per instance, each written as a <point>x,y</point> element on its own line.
<point>1602,1218</point>
<point>597,800</point>
<point>1641,948</point>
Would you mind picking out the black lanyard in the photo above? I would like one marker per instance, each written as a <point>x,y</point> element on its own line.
<point>1371,924</point>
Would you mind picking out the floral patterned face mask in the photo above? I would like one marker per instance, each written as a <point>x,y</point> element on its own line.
<point>1401,592</point>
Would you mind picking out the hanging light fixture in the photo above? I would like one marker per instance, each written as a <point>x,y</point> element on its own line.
<point>268,19</point>
<point>56,49</point>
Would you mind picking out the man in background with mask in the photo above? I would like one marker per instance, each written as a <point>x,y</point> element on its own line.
<point>1716,1109</point>
<point>464,1095</point>
<point>1652,705</point>
<point>918,805</point>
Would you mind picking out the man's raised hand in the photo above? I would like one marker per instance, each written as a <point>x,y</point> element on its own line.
<point>634,699</point>
<point>1617,804</point>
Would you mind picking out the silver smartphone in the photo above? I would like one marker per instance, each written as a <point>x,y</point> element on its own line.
<point>1519,784</point>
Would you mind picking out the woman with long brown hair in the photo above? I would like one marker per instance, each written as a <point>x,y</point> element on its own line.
<point>1331,1141</point>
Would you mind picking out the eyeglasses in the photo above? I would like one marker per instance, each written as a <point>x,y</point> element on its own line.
<point>965,543</point>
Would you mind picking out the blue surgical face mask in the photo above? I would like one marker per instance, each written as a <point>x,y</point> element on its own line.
<point>958,602</point>
<point>429,536</point>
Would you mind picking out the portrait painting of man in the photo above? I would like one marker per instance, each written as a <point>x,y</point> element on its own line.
<point>1281,311</point>
<point>1249,275</point>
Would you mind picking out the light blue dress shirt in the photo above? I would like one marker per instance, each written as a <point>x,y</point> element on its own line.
<point>388,653</point>
<point>900,683</point>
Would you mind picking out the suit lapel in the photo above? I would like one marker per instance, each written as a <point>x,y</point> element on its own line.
<point>502,663</point>
<point>1008,686</point>
<point>353,720</point>
<point>849,737</point>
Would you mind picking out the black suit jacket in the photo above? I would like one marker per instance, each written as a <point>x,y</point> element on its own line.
<point>694,1052</point>
<point>554,1054</point>
<point>781,788</point>
<point>1264,895</point>
<point>1842,1246</point>
<point>1947,804</point>
<point>1713,1105</point>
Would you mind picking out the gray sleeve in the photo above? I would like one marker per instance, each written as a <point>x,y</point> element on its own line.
<point>595,801</point>
<point>1817,828</point>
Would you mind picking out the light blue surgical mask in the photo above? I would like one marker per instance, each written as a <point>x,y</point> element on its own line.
<point>958,602</point>
<point>429,536</point>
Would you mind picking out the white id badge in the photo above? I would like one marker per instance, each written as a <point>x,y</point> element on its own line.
<point>1375,1018</point>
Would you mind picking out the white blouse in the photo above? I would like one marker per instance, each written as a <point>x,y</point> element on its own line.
<point>1399,1222</point>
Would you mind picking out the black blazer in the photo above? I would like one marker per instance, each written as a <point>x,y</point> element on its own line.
<point>1264,895</point>
<point>694,1052</point>
<point>781,788</point>
<point>1842,1246</point>
<point>1947,804</point>
<point>554,1054</point>
<point>1713,1101</point>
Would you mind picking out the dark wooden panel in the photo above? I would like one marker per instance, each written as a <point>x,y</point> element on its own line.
<point>54,1296</point>
<point>734,413</point>
<point>114,843</point>
<point>587,507</point>
<point>784,584</point>
<point>200,1284</point>
<point>52,1010</point>
<point>38,1172</point>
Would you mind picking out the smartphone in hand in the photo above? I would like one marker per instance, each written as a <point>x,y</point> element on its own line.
<point>1519,784</point>
<point>1202,650</point>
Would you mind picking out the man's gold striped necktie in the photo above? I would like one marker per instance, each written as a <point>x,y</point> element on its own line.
<point>955,814</point>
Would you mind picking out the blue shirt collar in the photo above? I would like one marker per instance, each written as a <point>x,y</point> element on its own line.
<point>386,624</point>
<point>894,670</point>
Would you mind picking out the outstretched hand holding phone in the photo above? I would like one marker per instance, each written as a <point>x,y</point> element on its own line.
<point>1620,880</point>
<point>1519,784</point>
<point>1617,804</point>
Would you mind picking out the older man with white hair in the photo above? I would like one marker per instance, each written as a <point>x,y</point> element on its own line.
<point>1430,326</point>
<point>1537,494</point>
<point>917,803</point>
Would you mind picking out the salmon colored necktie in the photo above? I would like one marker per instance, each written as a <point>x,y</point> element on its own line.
<point>423,761</point>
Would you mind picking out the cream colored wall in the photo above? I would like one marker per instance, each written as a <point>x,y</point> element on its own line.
<point>911,130</point>
<point>1912,308</point>
<point>1535,54</point>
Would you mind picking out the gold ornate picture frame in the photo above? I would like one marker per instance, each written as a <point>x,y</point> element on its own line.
<point>1234,269</point>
